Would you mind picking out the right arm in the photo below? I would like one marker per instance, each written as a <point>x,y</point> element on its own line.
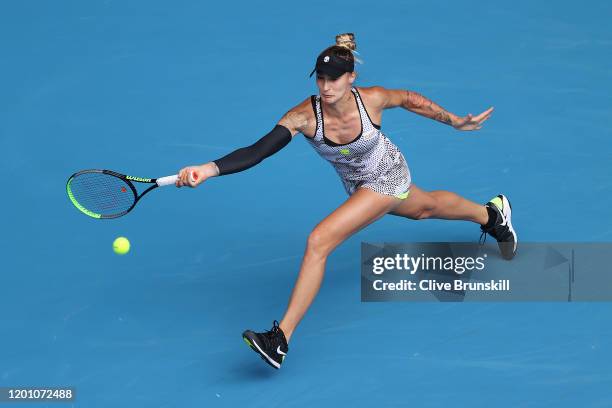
<point>411,101</point>
<point>293,122</point>
<point>417,103</point>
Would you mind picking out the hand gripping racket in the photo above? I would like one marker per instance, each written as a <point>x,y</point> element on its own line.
<point>108,194</point>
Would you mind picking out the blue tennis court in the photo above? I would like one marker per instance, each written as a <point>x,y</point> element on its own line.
<point>148,87</point>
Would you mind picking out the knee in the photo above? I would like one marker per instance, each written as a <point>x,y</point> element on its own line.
<point>319,243</point>
<point>420,215</point>
<point>427,210</point>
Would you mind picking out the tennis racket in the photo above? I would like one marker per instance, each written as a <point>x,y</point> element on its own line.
<point>108,194</point>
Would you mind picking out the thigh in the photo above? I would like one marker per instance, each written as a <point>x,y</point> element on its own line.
<point>359,210</point>
<point>415,204</point>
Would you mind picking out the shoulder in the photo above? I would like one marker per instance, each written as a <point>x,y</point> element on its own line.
<point>382,98</point>
<point>300,118</point>
<point>374,96</point>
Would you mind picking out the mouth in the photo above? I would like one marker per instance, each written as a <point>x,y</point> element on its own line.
<point>326,96</point>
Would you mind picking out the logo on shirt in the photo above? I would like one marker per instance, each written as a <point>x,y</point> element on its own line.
<point>345,152</point>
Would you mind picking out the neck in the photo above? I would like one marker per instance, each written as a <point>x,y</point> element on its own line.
<point>342,106</point>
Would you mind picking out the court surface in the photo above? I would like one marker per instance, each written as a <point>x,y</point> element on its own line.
<point>147,87</point>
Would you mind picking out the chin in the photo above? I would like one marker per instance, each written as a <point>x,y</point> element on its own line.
<point>330,100</point>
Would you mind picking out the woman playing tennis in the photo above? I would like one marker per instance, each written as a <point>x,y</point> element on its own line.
<point>342,124</point>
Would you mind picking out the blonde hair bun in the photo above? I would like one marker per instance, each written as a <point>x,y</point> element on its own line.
<point>346,40</point>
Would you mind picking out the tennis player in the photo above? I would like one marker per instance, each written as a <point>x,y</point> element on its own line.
<point>342,124</point>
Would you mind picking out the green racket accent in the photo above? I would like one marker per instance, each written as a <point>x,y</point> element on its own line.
<point>140,179</point>
<point>106,194</point>
<point>79,206</point>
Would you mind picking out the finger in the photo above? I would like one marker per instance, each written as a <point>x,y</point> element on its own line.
<point>479,117</point>
<point>484,118</point>
<point>486,113</point>
<point>184,177</point>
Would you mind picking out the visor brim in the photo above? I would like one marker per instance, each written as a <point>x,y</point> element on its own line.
<point>328,70</point>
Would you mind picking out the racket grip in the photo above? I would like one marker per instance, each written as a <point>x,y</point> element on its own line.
<point>166,181</point>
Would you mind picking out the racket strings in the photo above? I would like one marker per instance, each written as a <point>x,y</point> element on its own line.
<point>102,193</point>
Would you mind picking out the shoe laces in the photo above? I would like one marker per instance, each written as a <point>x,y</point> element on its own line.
<point>483,237</point>
<point>275,334</point>
<point>275,328</point>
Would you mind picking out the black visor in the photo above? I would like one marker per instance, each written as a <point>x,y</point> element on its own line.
<point>332,66</point>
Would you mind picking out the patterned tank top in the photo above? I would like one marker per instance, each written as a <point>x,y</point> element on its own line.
<point>371,160</point>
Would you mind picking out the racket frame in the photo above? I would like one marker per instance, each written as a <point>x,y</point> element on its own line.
<point>127,179</point>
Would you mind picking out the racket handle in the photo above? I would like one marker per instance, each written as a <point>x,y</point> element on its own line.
<point>168,180</point>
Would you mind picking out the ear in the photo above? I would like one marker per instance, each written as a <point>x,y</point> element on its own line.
<point>352,77</point>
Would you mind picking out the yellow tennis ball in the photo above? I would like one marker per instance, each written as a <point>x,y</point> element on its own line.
<point>121,246</point>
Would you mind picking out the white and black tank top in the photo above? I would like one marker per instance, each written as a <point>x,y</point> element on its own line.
<point>371,160</point>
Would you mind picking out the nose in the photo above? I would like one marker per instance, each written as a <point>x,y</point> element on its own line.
<point>326,85</point>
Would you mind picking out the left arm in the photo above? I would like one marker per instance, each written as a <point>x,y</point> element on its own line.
<point>417,103</point>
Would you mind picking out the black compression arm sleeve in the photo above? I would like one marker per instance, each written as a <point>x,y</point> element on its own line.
<point>247,157</point>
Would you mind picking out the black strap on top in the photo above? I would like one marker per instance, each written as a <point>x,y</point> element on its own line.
<point>331,142</point>
<point>366,110</point>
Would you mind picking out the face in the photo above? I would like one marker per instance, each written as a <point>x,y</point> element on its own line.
<point>334,89</point>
